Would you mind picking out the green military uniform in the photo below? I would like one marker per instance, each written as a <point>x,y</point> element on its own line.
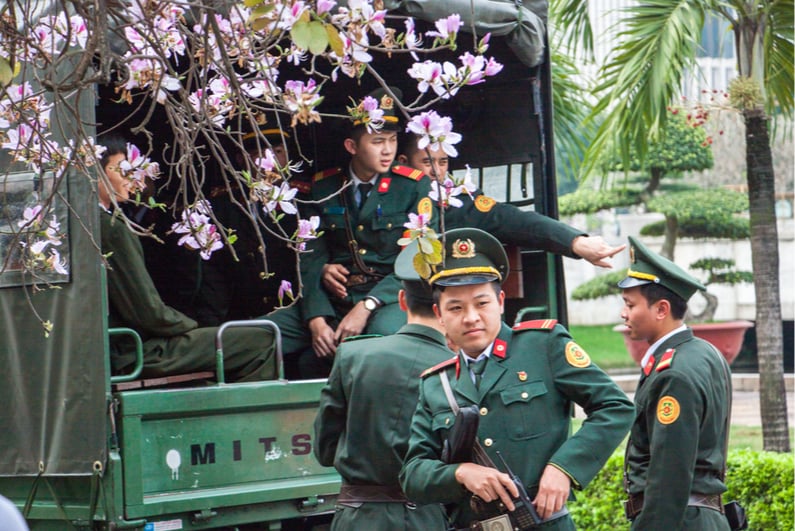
<point>376,228</point>
<point>173,342</point>
<point>534,373</point>
<point>512,225</point>
<point>362,425</point>
<point>676,450</point>
<point>533,376</point>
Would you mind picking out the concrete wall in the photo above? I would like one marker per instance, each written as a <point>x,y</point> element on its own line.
<point>735,302</point>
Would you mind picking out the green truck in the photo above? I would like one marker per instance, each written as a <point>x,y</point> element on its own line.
<point>82,448</point>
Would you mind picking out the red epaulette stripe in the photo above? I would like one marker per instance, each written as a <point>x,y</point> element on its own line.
<point>438,366</point>
<point>319,176</point>
<point>666,360</point>
<point>537,324</point>
<point>302,186</point>
<point>406,171</point>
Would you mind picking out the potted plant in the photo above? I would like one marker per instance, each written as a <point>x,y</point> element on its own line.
<point>688,212</point>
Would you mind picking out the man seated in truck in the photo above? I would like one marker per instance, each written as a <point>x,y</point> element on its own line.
<point>472,208</point>
<point>173,342</point>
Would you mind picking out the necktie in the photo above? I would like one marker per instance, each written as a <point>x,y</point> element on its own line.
<point>364,190</point>
<point>477,368</point>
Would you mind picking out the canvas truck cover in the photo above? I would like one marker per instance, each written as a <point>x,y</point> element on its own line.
<point>53,389</point>
<point>522,24</point>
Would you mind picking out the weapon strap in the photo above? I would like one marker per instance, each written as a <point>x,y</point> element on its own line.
<point>353,245</point>
<point>725,365</point>
<point>480,455</point>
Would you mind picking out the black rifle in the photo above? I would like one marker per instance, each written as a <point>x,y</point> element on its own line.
<point>524,515</point>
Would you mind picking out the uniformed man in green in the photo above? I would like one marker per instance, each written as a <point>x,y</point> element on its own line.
<point>173,343</point>
<point>470,207</point>
<point>362,425</point>
<point>362,212</point>
<point>676,455</point>
<point>523,381</point>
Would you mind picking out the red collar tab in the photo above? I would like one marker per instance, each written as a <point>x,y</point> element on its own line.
<point>500,348</point>
<point>302,186</point>
<point>666,360</point>
<point>383,185</point>
<point>457,367</point>
<point>649,364</point>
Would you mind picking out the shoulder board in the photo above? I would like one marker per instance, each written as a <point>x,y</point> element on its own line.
<point>362,336</point>
<point>302,186</point>
<point>666,360</point>
<point>409,172</point>
<point>538,324</point>
<point>439,366</point>
<point>319,176</point>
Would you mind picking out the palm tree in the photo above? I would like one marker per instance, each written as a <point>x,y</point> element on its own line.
<point>642,76</point>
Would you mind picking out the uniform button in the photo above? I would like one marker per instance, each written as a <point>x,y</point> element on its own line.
<point>488,442</point>
<point>360,228</point>
<point>333,225</point>
<point>389,225</point>
<point>484,411</point>
<point>525,395</point>
<point>362,251</point>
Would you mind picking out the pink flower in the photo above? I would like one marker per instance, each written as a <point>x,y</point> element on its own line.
<point>285,288</point>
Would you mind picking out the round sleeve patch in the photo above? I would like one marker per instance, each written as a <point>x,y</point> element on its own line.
<point>484,203</point>
<point>425,207</point>
<point>576,356</point>
<point>667,410</point>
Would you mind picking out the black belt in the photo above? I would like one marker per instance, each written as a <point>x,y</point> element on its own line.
<point>358,279</point>
<point>371,494</point>
<point>634,504</point>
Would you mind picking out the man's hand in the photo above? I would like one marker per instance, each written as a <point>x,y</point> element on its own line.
<point>487,483</point>
<point>335,278</point>
<point>352,324</point>
<point>553,491</point>
<point>595,250</point>
<point>322,337</point>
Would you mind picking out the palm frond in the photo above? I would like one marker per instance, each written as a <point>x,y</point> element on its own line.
<point>644,72</point>
<point>571,18</point>
<point>779,81</point>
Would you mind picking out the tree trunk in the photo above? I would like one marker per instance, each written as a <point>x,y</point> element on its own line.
<point>765,259</point>
<point>669,241</point>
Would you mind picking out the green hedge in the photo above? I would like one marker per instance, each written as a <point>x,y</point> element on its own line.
<point>761,481</point>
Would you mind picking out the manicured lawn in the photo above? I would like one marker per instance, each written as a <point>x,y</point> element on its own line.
<point>605,347</point>
<point>740,437</point>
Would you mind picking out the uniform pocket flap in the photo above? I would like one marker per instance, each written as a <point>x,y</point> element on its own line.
<point>443,420</point>
<point>523,393</point>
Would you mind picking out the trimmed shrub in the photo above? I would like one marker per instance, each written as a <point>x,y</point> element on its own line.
<point>761,481</point>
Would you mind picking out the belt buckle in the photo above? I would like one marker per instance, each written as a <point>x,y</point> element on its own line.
<point>497,523</point>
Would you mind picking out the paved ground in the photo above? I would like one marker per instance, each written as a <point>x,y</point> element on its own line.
<point>745,401</point>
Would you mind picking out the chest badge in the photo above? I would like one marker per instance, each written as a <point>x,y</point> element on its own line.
<point>522,376</point>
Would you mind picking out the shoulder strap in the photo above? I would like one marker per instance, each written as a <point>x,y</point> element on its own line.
<point>353,245</point>
<point>478,452</point>
<point>728,379</point>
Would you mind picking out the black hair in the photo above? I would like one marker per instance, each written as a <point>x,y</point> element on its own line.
<point>407,144</point>
<point>655,292</point>
<point>437,290</point>
<point>113,144</point>
<point>419,298</point>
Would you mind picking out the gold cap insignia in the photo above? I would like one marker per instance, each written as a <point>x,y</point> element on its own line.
<point>387,102</point>
<point>632,254</point>
<point>463,249</point>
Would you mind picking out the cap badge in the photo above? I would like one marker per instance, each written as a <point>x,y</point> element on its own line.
<point>387,103</point>
<point>522,376</point>
<point>632,254</point>
<point>463,249</point>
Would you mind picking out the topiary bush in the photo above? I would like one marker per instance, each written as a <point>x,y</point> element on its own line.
<point>761,481</point>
